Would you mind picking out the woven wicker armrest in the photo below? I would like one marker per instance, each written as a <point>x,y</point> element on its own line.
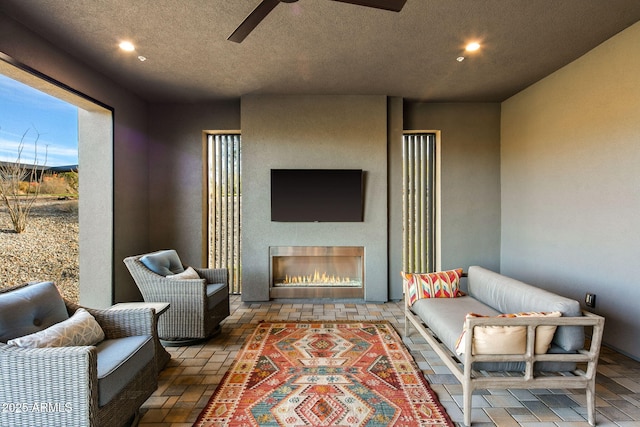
<point>169,290</point>
<point>65,375</point>
<point>122,323</point>
<point>213,275</point>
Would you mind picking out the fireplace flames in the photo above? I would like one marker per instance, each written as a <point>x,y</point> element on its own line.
<point>318,279</point>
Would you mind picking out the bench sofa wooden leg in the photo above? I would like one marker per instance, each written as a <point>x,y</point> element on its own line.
<point>467,394</point>
<point>591,402</point>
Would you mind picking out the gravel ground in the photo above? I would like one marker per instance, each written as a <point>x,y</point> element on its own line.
<point>46,251</point>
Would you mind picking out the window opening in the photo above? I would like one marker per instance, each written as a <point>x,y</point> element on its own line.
<point>38,187</point>
<point>94,151</point>
<point>224,206</point>
<point>418,208</point>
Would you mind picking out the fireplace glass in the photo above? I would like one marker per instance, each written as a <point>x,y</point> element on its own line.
<point>317,272</point>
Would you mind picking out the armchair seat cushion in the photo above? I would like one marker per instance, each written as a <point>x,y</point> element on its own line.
<point>119,360</point>
<point>30,309</point>
<point>216,293</point>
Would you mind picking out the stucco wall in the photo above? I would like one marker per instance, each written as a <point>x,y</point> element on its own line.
<point>331,132</point>
<point>571,187</point>
<point>394,191</point>
<point>176,174</point>
<point>470,179</point>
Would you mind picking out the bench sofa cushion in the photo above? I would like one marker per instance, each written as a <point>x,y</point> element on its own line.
<point>508,295</point>
<point>119,361</point>
<point>445,316</point>
<point>546,366</point>
<point>164,262</point>
<point>30,309</point>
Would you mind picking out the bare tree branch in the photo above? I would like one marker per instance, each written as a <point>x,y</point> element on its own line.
<point>12,175</point>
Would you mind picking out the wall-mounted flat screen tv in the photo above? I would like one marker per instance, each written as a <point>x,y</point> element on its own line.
<point>317,195</point>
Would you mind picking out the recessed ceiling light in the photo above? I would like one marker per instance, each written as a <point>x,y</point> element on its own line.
<point>127,46</point>
<point>142,58</point>
<point>460,58</point>
<point>472,47</point>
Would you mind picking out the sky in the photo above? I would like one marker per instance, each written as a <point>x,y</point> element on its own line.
<point>50,121</point>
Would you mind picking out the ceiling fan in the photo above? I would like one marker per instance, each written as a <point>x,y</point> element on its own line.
<point>266,6</point>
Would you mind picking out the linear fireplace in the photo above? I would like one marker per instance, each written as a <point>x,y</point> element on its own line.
<point>316,272</point>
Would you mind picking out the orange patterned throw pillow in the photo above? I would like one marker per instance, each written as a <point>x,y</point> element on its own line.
<point>441,284</point>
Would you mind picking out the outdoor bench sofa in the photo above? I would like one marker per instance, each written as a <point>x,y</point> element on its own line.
<point>44,382</point>
<point>569,363</point>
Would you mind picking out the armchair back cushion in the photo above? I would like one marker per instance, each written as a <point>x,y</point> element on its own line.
<point>164,262</point>
<point>30,309</point>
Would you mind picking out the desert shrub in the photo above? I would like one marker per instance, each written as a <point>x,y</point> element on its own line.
<point>72,181</point>
<point>53,184</point>
<point>23,187</point>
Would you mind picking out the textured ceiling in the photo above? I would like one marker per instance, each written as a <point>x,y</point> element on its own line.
<point>327,47</point>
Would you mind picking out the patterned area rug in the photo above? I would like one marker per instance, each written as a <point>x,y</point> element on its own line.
<point>324,374</point>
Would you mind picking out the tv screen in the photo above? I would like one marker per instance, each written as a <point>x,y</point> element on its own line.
<point>317,195</point>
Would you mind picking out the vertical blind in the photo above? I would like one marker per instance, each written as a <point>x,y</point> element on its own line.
<point>225,198</point>
<point>418,168</point>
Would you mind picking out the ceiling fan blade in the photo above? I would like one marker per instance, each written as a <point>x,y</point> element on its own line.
<point>392,5</point>
<point>252,20</point>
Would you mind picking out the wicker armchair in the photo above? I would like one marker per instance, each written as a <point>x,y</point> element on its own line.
<point>59,386</point>
<point>197,305</point>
